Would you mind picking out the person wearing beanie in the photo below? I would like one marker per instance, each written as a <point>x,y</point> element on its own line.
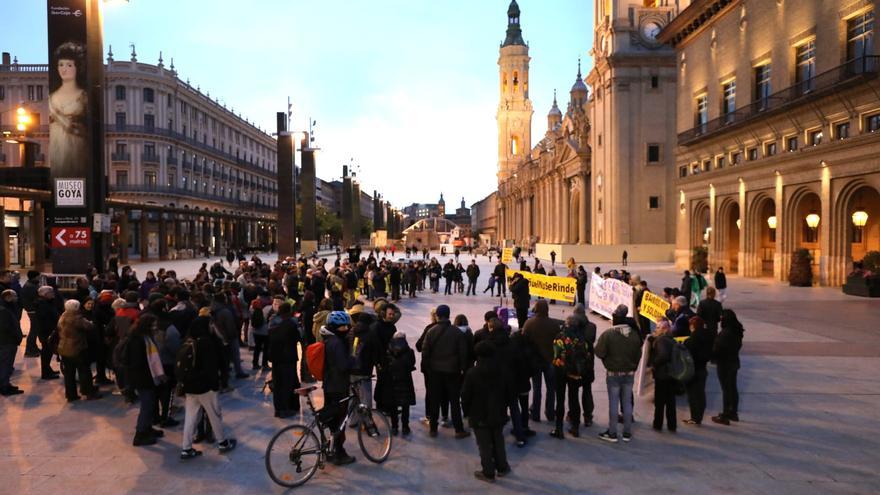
<point>445,353</point>
<point>338,366</point>
<point>485,395</point>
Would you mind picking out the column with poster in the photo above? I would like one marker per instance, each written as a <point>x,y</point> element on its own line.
<point>76,137</point>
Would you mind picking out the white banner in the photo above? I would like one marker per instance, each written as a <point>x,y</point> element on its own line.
<point>608,293</point>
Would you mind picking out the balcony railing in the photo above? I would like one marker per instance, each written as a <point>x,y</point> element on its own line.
<point>853,71</point>
<point>194,143</point>
<point>149,158</point>
<point>171,159</point>
<point>180,191</point>
<point>120,157</point>
<point>24,68</point>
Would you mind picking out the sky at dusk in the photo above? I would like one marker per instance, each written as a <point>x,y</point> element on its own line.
<point>408,89</point>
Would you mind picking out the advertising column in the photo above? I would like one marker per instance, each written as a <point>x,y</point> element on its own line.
<point>76,150</point>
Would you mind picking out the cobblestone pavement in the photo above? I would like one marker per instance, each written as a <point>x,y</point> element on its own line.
<point>809,404</point>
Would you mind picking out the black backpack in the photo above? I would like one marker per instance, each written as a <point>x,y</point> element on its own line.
<point>257,318</point>
<point>577,361</point>
<point>185,363</point>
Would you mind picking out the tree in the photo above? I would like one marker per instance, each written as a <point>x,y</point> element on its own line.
<point>366,228</point>
<point>327,224</point>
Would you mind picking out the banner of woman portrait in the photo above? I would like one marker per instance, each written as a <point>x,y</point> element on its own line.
<point>70,126</point>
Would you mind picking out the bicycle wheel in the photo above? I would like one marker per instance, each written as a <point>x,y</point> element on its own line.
<point>374,435</point>
<point>293,456</point>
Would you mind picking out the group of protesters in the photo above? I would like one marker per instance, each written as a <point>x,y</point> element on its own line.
<point>164,336</point>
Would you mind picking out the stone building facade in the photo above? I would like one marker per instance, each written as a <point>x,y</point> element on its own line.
<point>778,121</point>
<point>186,174</point>
<point>543,192</point>
<point>633,101</point>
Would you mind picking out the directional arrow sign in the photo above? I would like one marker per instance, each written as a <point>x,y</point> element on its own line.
<point>59,237</point>
<point>71,237</point>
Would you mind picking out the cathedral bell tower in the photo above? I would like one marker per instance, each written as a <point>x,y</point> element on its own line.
<point>514,108</point>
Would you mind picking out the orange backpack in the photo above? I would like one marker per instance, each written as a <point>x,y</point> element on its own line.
<point>315,360</point>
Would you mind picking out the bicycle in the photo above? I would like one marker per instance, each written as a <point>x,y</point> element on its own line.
<point>296,452</point>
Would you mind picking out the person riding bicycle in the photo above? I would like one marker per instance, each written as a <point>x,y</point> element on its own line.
<point>338,364</point>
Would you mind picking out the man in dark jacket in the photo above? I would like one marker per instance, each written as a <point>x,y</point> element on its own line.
<point>449,276</point>
<point>709,310</point>
<point>473,273</point>
<point>224,319</point>
<point>500,273</point>
<point>445,353</point>
<point>366,350</point>
<point>283,341</point>
<point>29,304</point>
<point>200,385</point>
<point>519,288</point>
<point>10,338</point>
<point>394,277</point>
<point>484,397</point>
<point>664,385</point>
<point>47,315</point>
<point>682,314</point>
<point>620,350</point>
<point>539,332</point>
<point>700,346</point>
<point>686,285</point>
<point>338,364</point>
<point>726,353</point>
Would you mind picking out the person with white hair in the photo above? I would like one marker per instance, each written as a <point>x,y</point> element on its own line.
<point>73,330</point>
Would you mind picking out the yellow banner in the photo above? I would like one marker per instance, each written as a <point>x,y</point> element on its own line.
<point>546,286</point>
<point>653,307</point>
<point>507,255</point>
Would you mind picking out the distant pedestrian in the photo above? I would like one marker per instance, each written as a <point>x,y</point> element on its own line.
<point>721,284</point>
<point>625,257</point>
<point>553,258</point>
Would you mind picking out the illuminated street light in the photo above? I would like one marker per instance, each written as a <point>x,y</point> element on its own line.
<point>22,120</point>
<point>812,220</point>
<point>771,222</point>
<point>860,218</point>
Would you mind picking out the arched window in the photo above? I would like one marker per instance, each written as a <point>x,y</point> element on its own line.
<point>504,81</point>
<point>514,146</point>
<point>515,80</point>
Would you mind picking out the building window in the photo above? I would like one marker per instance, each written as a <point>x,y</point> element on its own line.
<point>170,101</point>
<point>150,149</point>
<point>599,138</point>
<point>736,158</point>
<point>653,153</point>
<point>514,145</point>
<point>753,154</point>
<point>682,171</point>
<point>762,86</point>
<point>805,70</point>
<point>654,202</point>
<point>121,148</point>
<point>701,118</point>
<point>149,121</point>
<point>2,93</point>
<point>655,82</point>
<point>815,137</point>
<point>120,121</point>
<point>150,179</point>
<point>31,92</point>
<point>707,165</point>
<point>695,169</point>
<point>872,123</point>
<point>120,92</point>
<point>172,180</point>
<point>841,130</point>
<point>791,144</point>
<point>860,36</point>
<point>770,148</point>
<point>149,95</point>
<point>121,177</point>
<point>728,100</point>
<point>720,162</point>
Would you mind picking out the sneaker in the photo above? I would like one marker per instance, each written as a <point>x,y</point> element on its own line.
<point>557,434</point>
<point>482,477</point>
<point>691,422</point>
<point>608,436</point>
<point>227,445</point>
<point>444,422</point>
<point>190,453</point>
<point>721,420</point>
<point>462,434</point>
<point>627,437</point>
<point>520,444</point>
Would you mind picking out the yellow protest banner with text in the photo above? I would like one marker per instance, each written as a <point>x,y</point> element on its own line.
<point>507,255</point>
<point>653,307</point>
<point>546,286</point>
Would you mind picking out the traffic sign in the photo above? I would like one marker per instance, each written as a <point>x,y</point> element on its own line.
<point>71,237</point>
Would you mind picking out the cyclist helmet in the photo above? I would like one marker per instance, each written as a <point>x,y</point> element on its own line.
<point>337,319</point>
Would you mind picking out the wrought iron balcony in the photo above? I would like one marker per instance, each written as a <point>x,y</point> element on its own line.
<point>120,157</point>
<point>149,158</point>
<point>851,73</point>
<point>180,191</point>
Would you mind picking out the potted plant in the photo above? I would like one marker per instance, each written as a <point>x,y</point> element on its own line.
<point>865,279</point>
<point>801,272</point>
<point>700,262</point>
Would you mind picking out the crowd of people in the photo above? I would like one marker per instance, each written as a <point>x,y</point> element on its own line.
<point>164,336</point>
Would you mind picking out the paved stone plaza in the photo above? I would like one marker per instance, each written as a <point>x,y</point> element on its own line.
<point>809,404</point>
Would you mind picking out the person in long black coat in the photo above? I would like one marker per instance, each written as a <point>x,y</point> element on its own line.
<point>283,341</point>
<point>399,394</point>
<point>726,353</point>
<point>47,315</point>
<point>700,346</point>
<point>139,377</point>
<point>484,399</point>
